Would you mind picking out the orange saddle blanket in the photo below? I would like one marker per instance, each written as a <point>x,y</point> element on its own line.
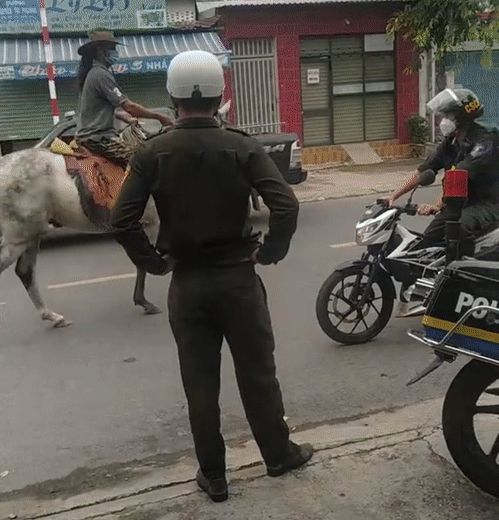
<point>98,181</point>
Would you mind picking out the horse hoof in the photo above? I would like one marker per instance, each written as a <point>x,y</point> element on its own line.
<point>58,321</point>
<point>151,309</point>
<point>60,324</point>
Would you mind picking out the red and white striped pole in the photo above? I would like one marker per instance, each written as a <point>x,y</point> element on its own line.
<point>49,60</point>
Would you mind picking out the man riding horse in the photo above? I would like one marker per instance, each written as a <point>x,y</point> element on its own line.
<point>100,97</point>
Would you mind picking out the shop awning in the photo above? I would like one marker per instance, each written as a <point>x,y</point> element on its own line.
<point>25,59</point>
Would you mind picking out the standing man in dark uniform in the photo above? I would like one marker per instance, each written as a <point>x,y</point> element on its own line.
<point>200,177</point>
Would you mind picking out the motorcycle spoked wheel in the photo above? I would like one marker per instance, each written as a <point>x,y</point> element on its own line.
<point>335,309</point>
<point>461,407</point>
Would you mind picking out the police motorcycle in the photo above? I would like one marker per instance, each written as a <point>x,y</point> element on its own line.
<point>462,319</point>
<point>356,301</point>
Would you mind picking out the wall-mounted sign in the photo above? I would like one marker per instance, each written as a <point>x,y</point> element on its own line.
<point>313,76</point>
<point>18,16</point>
<point>22,16</point>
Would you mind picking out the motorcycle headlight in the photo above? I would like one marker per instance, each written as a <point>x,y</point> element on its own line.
<point>364,233</point>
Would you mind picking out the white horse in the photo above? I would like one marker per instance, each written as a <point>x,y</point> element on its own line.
<point>35,188</point>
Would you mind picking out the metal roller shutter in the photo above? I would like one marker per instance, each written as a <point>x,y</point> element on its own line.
<point>380,97</point>
<point>379,67</point>
<point>348,80</point>
<point>29,116</point>
<point>67,95</point>
<point>148,90</point>
<point>25,109</point>
<point>358,95</point>
<point>347,118</point>
<point>380,116</point>
<point>347,72</point>
<point>314,47</point>
<point>317,130</point>
<point>348,91</point>
<point>26,115</point>
<point>316,102</point>
<point>315,96</point>
<point>347,45</point>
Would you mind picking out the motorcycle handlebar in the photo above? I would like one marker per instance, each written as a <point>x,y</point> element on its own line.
<point>409,209</point>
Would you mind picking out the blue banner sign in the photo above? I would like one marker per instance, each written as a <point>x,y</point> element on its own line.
<point>70,69</point>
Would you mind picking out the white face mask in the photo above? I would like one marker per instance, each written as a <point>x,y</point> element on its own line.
<point>447,126</point>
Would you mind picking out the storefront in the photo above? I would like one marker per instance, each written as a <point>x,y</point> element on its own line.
<point>141,72</point>
<point>323,69</point>
<point>348,89</point>
<point>25,112</point>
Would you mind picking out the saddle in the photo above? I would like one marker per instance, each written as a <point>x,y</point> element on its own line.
<point>98,180</point>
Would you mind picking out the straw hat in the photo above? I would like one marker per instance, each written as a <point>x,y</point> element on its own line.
<point>96,37</point>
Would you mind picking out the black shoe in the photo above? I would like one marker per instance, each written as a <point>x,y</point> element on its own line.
<point>216,489</point>
<point>298,456</point>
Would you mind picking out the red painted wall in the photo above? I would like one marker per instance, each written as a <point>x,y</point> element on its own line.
<point>288,24</point>
<point>407,85</point>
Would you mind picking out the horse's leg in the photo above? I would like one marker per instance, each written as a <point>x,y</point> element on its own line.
<point>25,270</point>
<point>9,253</point>
<point>139,297</point>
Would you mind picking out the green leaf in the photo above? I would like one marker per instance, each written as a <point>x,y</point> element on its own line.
<point>444,25</point>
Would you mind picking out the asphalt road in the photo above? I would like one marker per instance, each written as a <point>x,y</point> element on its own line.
<point>107,390</point>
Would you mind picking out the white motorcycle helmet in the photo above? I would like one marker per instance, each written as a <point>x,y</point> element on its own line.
<point>194,74</point>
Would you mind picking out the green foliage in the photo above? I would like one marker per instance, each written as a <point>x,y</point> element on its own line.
<point>419,132</point>
<point>446,24</point>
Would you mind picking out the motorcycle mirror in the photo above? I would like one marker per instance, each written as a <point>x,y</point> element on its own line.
<point>427,177</point>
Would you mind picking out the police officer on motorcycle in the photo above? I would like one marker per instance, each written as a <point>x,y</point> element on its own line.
<point>200,177</point>
<point>469,146</point>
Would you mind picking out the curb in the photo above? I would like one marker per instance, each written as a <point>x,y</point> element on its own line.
<point>303,199</point>
<point>150,484</point>
<point>152,496</point>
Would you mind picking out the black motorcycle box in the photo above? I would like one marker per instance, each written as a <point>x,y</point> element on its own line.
<point>466,285</point>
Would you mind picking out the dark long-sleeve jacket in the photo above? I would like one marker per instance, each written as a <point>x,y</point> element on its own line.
<point>200,177</point>
<point>478,153</point>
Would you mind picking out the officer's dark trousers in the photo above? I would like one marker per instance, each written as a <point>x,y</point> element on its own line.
<point>476,220</point>
<point>207,305</point>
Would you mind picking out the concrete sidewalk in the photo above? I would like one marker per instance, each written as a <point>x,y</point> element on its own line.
<point>388,466</point>
<point>352,181</point>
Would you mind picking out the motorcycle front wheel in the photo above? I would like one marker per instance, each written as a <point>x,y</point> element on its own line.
<point>470,424</point>
<point>338,310</point>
